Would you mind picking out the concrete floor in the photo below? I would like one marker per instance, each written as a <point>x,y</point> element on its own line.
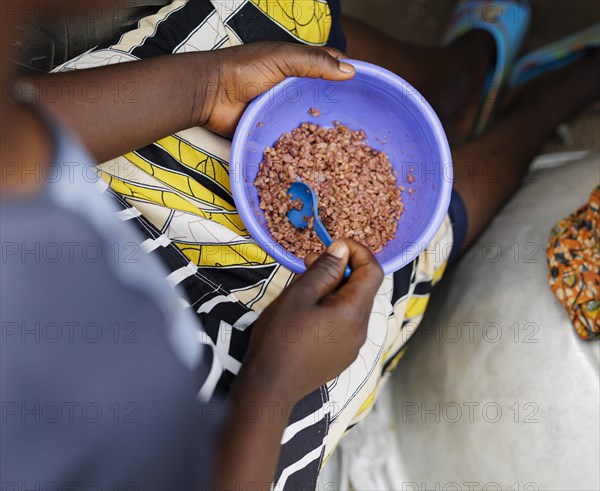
<point>423,22</point>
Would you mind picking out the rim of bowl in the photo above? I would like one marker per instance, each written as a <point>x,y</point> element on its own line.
<point>278,252</point>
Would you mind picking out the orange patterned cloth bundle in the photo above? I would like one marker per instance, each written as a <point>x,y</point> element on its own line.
<point>574,261</point>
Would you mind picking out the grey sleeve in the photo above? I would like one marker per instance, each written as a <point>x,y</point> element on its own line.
<point>93,396</point>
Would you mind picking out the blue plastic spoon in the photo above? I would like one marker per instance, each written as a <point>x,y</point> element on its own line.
<point>310,208</point>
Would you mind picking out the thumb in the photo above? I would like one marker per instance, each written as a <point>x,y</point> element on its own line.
<point>305,61</point>
<point>324,274</point>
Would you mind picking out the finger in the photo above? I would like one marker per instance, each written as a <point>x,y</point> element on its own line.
<point>324,274</point>
<point>336,53</point>
<point>360,289</point>
<point>305,61</point>
<point>310,258</point>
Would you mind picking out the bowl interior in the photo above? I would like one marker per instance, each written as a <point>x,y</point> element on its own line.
<point>395,118</point>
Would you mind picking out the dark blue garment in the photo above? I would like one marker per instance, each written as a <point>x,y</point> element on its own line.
<point>337,39</point>
<point>459,219</point>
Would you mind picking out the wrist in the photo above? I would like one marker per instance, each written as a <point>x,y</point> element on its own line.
<point>203,75</point>
<point>259,382</point>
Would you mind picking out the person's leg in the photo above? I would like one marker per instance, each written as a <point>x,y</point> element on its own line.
<point>489,169</point>
<point>451,78</point>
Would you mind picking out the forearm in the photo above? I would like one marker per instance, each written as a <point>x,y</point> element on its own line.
<point>122,107</point>
<point>250,443</point>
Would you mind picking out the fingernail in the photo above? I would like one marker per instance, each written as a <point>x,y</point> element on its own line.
<point>338,249</point>
<point>346,67</point>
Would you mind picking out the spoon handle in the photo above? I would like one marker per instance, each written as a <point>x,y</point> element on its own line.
<point>327,240</point>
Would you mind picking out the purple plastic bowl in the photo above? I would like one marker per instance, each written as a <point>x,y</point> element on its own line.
<point>397,120</point>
